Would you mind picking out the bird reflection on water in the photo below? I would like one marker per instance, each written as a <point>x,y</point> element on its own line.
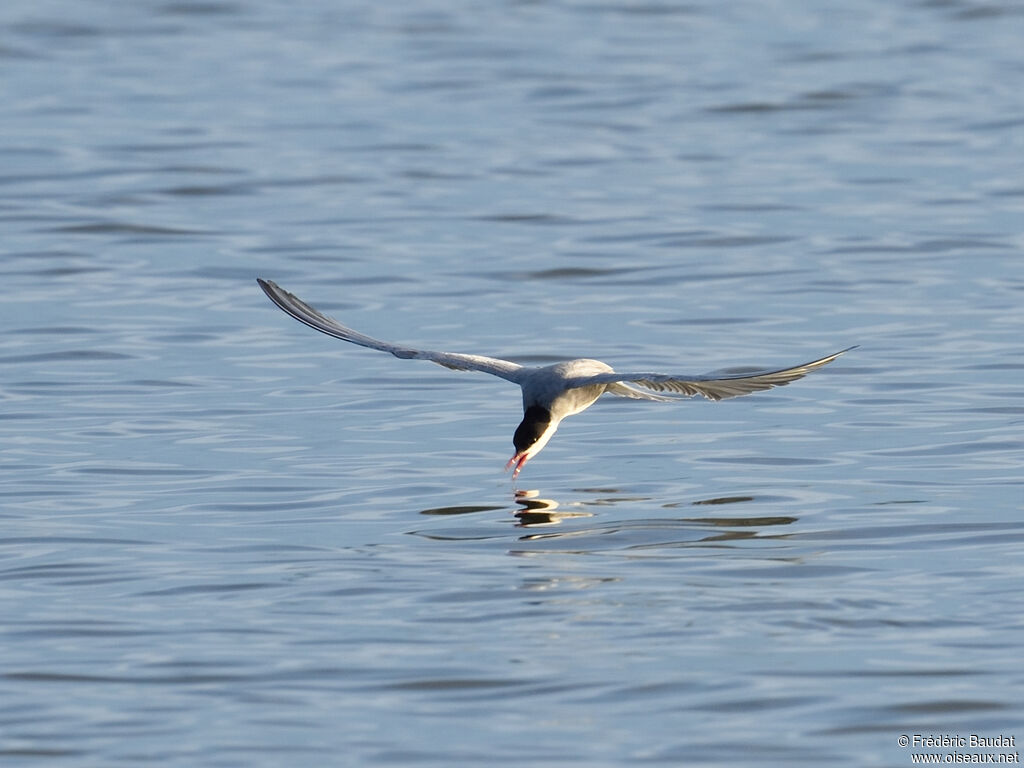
<point>586,522</point>
<point>537,511</point>
<point>533,510</point>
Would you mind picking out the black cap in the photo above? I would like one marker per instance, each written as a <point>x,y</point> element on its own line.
<point>535,422</point>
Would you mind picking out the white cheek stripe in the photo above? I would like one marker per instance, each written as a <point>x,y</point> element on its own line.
<point>534,449</point>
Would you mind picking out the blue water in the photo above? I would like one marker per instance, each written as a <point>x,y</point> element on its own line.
<point>226,540</point>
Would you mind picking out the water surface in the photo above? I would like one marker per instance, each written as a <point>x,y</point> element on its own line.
<point>228,540</point>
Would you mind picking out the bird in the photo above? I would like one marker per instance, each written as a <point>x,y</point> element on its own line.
<point>553,392</point>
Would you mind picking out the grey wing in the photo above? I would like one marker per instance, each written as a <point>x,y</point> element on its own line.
<point>711,386</point>
<point>304,313</point>
<point>621,389</point>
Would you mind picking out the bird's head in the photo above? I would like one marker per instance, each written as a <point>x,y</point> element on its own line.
<point>531,435</point>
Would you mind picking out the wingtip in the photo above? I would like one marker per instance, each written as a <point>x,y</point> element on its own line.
<point>269,286</point>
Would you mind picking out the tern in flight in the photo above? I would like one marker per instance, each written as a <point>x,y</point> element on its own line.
<point>552,392</point>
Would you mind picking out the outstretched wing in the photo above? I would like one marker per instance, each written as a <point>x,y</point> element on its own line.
<point>315,319</point>
<point>711,386</point>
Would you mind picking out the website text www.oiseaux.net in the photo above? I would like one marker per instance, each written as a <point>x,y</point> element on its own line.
<point>961,749</point>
